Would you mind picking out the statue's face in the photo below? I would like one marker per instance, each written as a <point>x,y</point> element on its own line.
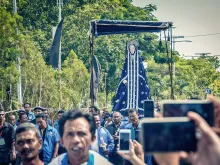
<point>132,49</point>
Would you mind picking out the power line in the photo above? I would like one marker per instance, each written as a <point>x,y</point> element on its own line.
<point>203,35</point>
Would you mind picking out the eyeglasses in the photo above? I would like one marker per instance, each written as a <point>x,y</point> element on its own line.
<point>2,114</point>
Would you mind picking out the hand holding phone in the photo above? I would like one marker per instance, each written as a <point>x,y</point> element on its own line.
<point>168,135</point>
<point>204,108</point>
<point>148,108</point>
<point>124,138</point>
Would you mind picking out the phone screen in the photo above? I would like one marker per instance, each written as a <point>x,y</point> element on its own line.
<point>124,141</point>
<point>169,136</point>
<point>206,110</point>
<point>148,108</point>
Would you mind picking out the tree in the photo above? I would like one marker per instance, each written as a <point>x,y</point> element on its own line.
<point>75,82</point>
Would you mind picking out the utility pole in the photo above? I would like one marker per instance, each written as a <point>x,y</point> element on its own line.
<point>19,87</point>
<point>59,3</point>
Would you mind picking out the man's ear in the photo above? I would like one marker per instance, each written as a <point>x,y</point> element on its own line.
<point>93,139</point>
<point>40,143</point>
<point>61,141</point>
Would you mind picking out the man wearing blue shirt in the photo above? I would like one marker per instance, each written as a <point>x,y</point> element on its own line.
<point>50,138</point>
<point>135,127</point>
<point>102,135</point>
<point>134,124</point>
<point>56,126</point>
<point>56,123</point>
<point>30,115</point>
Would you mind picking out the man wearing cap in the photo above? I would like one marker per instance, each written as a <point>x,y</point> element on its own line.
<point>37,110</point>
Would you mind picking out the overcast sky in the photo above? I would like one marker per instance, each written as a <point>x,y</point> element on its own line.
<point>191,18</point>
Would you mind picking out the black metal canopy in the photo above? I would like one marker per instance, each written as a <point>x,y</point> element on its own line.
<point>105,27</point>
<point>108,27</point>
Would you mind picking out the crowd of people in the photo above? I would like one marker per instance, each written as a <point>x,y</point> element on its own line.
<point>92,138</point>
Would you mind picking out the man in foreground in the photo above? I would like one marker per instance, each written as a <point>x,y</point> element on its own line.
<point>77,131</point>
<point>28,143</point>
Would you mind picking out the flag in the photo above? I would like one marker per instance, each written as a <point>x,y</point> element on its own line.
<point>54,50</point>
<point>94,78</point>
<point>133,87</point>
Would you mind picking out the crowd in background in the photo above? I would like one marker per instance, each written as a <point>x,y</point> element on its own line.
<point>91,137</point>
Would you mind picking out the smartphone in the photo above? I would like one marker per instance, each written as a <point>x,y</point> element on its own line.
<point>124,138</point>
<point>169,134</point>
<point>148,108</point>
<point>204,108</point>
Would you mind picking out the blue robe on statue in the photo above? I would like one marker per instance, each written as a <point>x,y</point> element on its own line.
<point>133,87</point>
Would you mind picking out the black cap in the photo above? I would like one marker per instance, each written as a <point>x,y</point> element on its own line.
<point>38,107</point>
<point>21,111</point>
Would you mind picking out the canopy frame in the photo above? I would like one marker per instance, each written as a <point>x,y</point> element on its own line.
<point>109,27</point>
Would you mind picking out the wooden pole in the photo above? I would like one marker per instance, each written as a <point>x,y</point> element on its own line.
<point>91,70</point>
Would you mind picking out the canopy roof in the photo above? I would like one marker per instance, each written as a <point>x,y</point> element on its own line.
<point>105,27</point>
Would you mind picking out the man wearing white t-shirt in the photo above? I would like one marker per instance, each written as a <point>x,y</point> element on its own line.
<point>77,131</point>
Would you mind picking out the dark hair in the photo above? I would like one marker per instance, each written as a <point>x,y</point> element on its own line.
<point>95,114</point>
<point>2,110</point>
<point>41,115</point>
<point>73,115</point>
<point>95,108</point>
<point>21,111</point>
<point>21,114</point>
<point>45,109</point>
<point>27,103</point>
<point>38,107</point>
<point>132,110</point>
<point>60,111</point>
<point>26,127</point>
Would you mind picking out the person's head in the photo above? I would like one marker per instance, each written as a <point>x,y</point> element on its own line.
<point>105,109</point>
<point>27,141</point>
<point>116,117</point>
<point>94,110</point>
<point>133,116</point>
<point>27,107</point>
<point>2,115</point>
<point>23,117</point>
<point>104,112</point>
<point>77,131</point>
<point>46,112</point>
<point>97,120</point>
<point>132,49</point>
<point>41,120</point>
<point>59,114</point>
<point>38,110</point>
<point>12,119</point>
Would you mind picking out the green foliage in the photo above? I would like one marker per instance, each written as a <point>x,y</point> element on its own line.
<point>75,82</point>
<point>190,80</point>
<point>34,23</point>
